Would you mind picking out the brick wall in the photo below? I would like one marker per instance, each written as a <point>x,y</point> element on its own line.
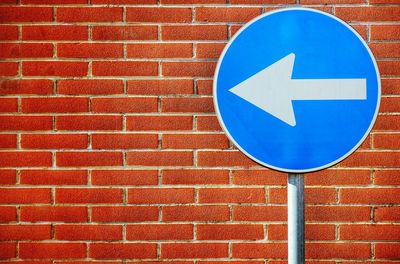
<point>111,151</point>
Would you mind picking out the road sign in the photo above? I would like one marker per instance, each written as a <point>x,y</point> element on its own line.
<point>297,90</point>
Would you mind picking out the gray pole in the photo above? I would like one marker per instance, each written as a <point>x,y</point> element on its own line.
<point>295,219</point>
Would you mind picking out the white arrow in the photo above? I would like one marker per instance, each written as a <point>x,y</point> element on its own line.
<point>273,89</point>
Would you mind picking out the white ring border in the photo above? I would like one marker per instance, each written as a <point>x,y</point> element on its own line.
<point>221,122</point>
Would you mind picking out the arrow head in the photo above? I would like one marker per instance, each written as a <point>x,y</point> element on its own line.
<point>269,90</point>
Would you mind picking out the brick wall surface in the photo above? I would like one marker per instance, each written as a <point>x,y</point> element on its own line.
<point>111,151</point>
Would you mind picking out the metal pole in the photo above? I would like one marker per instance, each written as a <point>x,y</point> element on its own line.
<point>295,219</point>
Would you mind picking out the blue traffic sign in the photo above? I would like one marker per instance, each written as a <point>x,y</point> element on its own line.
<point>297,90</point>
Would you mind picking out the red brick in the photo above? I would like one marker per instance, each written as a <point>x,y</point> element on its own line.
<point>8,105</point>
<point>25,14</point>
<point>26,123</point>
<point>371,13</point>
<point>7,177</point>
<point>328,2</point>
<point>160,196</point>
<point>55,68</point>
<point>234,29</point>
<point>88,195</point>
<point>8,32</point>
<point>160,87</point>
<point>28,262</point>
<point>387,122</point>
<point>259,2</point>
<point>89,50</point>
<point>8,250</point>
<point>195,141</point>
<point>20,87</point>
<point>159,50</point>
<point>259,213</point>
<point>234,262</point>
<point>370,232</point>
<point>8,68</point>
<point>385,49</point>
<point>223,158</point>
<point>230,232</point>
<point>188,2</point>
<point>195,213</point>
<point>259,177</point>
<point>387,250</point>
<point>258,250</point>
<point>86,262</point>
<point>53,177</point>
<point>338,177</point>
<point>311,195</point>
<point>90,87</point>
<point>226,14</point>
<point>26,50</point>
<point>209,50</point>
<point>55,105</point>
<point>204,86</point>
<point>159,15</point>
<point>385,32</point>
<point>391,213</point>
<point>387,177</point>
<point>24,195</point>
<point>25,159</point>
<point>124,213</point>
<point>201,69</point>
<point>54,250</point>
<point>54,141</point>
<point>387,141</point>
<point>338,213</point>
<point>125,32</point>
<point>194,250</point>
<point>128,2</point>
<point>89,14</point>
<point>54,2</point>
<point>383,2</point>
<point>89,122</point>
<point>361,29</point>
<point>193,176</point>
<point>54,213</point>
<point>83,159</point>
<point>376,159</point>
<point>194,32</point>
<point>208,123</point>
<point>125,68</point>
<point>338,250</point>
<point>8,214</point>
<point>370,196</point>
<point>389,104</point>
<point>159,232</point>
<point>195,104</point>
<point>55,32</point>
<point>8,2</point>
<point>160,158</point>
<point>124,105</point>
<point>312,232</point>
<point>88,232</point>
<point>232,195</point>
<point>124,141</point>
<point>25,232</point>
<point>124,177</point>
<point>159,123</point>
<point>389,68</point>
<point>122,250</point>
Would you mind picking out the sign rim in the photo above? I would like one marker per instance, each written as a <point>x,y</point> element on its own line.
<point>227,133</point>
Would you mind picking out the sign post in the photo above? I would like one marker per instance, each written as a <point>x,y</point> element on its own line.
<point>296,245</point>
<point>297,90</point>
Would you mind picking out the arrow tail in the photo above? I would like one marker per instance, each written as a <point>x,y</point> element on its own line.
<point>328,89</point>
